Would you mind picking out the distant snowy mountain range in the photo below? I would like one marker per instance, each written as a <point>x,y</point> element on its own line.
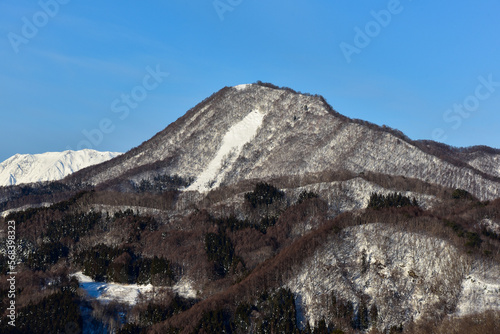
<point>50,166</point>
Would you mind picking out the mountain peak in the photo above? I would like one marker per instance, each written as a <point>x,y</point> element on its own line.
<point>242,87</point>
<point>262,131</point>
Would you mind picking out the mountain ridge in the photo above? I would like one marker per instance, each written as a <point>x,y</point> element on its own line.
<point>187,146</point>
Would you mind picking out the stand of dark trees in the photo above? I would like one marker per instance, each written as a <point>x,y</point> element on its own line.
<point>122,265</point>
<point>395,200</point>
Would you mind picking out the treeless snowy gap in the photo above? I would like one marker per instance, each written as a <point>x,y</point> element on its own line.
<point>232,144</point>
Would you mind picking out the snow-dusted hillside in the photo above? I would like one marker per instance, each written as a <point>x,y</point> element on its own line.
<point>489,163</point>
<point>406,275</point>
<point>50,166</point>
<point>353,194</point>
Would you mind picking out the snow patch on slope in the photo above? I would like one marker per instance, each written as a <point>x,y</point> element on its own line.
<point>480,292</point>
<point>50,166</point>
<point>107,292</point>
<point>487,163</point>
<point>127,293</point>
<point>242,87</point>
<point>184,288</point>
<point>490,226</point>
<point>232,144</point>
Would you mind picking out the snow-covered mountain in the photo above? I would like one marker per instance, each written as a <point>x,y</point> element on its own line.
<point>315,254</point>
<point>261,131</point>
<point>50,166</point>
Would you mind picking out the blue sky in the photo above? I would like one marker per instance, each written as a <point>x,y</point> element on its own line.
<point>429,69</point>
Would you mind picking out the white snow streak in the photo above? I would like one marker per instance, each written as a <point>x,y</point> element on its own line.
<point>232,144</point>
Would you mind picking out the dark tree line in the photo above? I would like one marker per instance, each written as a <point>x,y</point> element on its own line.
<point>220,251</point>
<point>121,265</point>
<point>46,255</point>
<point>277,314</point>
<point>234,224</point>
<point>25,215</point>
<point>472,239</point>
<point>19,195</point>
<point>305,195</point>
<point>461,194</point>
<point>264,194</point>
<point>395,200</point>
<point>72,226</point>
<point>161,183</point>
<point>155,313</point>
<point>57,313</point>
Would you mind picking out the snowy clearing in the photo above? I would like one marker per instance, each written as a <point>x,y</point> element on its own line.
<point>106,292</point>
<point>184,288</point>
<point>127,293</point>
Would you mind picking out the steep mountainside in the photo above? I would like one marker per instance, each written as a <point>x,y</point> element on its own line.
<point>51,166</point>
<point>256,131</point>
<point>371,262</point>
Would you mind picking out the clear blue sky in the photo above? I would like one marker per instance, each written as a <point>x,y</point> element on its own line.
<point>68,75</point>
